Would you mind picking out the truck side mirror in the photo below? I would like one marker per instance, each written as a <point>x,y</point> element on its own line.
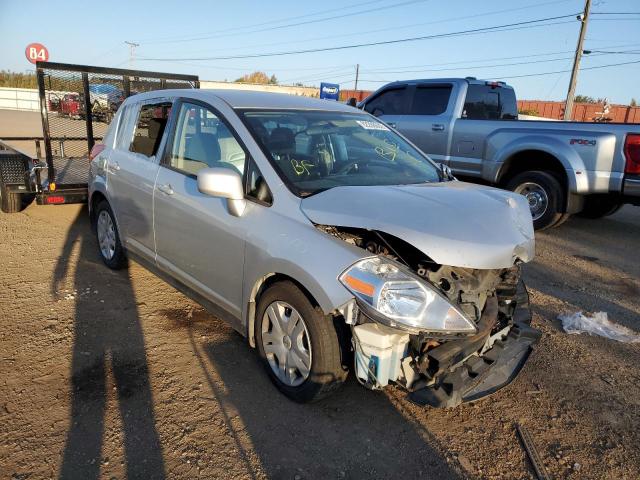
<point>352,102</point>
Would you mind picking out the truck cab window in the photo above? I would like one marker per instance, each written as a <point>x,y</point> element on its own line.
<point>485,102</point>
<point>430,100</point>
<point>152,120</point>
<point>389,102</point>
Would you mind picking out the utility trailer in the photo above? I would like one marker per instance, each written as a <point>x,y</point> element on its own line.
<point>77,103</point>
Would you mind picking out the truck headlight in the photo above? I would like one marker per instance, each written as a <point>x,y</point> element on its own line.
<point>403,300</point>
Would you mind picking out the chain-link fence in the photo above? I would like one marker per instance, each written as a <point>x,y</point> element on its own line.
<point>78,103</point>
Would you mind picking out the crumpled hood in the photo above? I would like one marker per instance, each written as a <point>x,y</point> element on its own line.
<point>453,223</point>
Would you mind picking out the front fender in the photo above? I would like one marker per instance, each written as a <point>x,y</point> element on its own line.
<point>312,258</point>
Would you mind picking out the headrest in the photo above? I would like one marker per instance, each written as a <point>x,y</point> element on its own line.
<point>282,140</point>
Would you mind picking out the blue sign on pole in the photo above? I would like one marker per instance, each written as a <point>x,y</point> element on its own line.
<point>330,91</point>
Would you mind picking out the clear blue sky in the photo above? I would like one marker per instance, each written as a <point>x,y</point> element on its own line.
<point>93,33</point>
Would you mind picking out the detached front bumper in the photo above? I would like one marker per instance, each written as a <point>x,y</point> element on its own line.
<point>480,376</point>
<point>465,377</point>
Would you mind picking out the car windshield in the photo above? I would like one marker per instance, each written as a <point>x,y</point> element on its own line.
<point>318,150</point>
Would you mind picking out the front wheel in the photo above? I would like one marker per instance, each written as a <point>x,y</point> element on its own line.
<point>298,345</point>
<point>545,195</point>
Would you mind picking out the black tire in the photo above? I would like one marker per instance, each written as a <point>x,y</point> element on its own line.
<point>10,202</point>
<point>563,218</point>
<point>598,206</point>
<point>326,373</point>
<point>118,260</point>
<point>550,186</point>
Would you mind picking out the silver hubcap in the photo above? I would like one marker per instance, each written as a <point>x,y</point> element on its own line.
<point>286,343</point>
<point>536,196</point>
<point>106,235</point>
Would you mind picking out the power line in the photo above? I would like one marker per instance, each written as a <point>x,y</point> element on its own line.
<point>615,13</point>
<point>536,74</point>
<point>270,22</point>
<point>297,24</point>
<point>370,44</point>
<point>395,28</point>
<point>475,66</point>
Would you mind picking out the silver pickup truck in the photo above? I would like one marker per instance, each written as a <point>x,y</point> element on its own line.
<point>472,126</point>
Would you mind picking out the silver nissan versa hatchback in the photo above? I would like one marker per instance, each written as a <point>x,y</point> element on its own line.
<point>323,236</point>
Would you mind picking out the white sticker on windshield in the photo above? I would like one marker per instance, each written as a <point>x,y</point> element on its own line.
<point>372,125</point>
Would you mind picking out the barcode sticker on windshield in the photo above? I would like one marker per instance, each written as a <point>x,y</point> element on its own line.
<point>372,125</point>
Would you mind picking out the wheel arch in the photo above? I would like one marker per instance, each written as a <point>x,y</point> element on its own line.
<point>530,160</point>
<point>259,287</point>
<point>96,198</point>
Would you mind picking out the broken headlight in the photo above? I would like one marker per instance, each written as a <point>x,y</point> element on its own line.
<point>403,300</point>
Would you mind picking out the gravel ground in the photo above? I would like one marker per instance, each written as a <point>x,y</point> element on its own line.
<point>116,375</point>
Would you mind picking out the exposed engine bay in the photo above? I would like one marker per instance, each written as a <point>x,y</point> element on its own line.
<point>436,369</point>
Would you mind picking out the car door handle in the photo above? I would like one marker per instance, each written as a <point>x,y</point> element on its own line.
<point>166,189</point>
<point>437,127</point>
<point>392,124</point>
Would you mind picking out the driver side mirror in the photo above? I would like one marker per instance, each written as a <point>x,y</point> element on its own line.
<point>446,172</point>
<point>352,102</point>
<point>223,183</point>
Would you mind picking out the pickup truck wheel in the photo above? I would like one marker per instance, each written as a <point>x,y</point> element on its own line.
<point>109,244</point>
<point>544,194</point>
<point>298,345</point>
<point>598,206</point>
<point>10,202</point>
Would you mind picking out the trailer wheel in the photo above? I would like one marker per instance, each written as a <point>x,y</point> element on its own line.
<point>545,195</point>
<point>10,202</point>
<point>109,245</point>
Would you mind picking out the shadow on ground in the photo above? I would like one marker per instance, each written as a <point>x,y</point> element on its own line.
<point>108,342</point>
<point>353,434</point>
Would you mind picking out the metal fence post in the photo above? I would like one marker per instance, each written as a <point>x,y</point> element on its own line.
<point>87,109</point>
<point>45,125</point>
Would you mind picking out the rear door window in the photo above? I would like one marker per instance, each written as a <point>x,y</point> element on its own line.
<point>430,100</point>
<point>485,102</point>
<point>389,102</point>
<point>150,125</point>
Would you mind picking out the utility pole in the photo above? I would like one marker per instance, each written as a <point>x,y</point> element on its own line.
<point>132,52</point>
<point>584,19</point>
<point>357,72</point>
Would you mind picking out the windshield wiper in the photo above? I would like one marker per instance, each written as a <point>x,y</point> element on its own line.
<point>309,193</point>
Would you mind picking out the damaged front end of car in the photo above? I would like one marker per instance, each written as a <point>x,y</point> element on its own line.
<point>446,334</point>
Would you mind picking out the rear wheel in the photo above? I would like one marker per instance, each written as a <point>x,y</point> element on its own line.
<point>109,245</point>
<point>598,206</point>
<point>545,195</point>
<point>298,345</point>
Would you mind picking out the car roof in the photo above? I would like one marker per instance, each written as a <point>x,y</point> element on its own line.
<point>241,99</point>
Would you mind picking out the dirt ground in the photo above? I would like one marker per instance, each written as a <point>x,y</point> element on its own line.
<point>115,375</point>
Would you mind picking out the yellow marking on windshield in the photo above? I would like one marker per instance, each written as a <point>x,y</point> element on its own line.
<point>301,167</point>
